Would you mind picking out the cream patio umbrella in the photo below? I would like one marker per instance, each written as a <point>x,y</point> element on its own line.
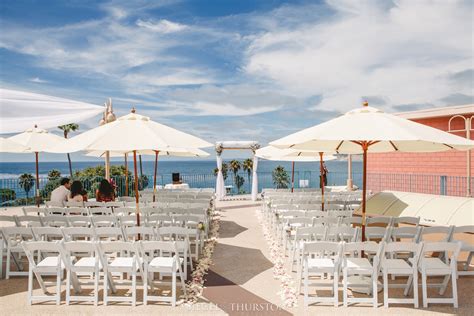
<point>132,133</point>
<point>37,140</point>
<point>278,154</point>
<point>176,152</point>
<point>9,146</point>
<point>368,129</point>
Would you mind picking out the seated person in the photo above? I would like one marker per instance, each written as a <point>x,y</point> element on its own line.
<point>61,193</point>
<point>105,193</point>
<point>77,192</point>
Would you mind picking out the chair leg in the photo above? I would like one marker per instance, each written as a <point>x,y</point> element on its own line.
<point>344,291</point>
<point>385,289</point>
<point>30,285</point>
<point>134,288</point>
<point>299,276</point>
<point>336,289</point>
<point>173,289</point>
<point>58,287</point>
<point>424,287</point>
<point>7,269</point>
<point>106,287</point>
<point>145,286</point>
<point>454,282</point>
<point>415,288</point>
<point>96,287</point>
<point>409,283</point>
<point>375,289</point>
<point>68,287</point>
<point>306,285</point>
<point>444,285</point>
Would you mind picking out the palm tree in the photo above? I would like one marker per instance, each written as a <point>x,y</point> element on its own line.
<point>280,178</point>
<point>235,167</point>
<point>26,181</point>
<point>68,128</point>
<point>247,165</point>
<point>224,171</point>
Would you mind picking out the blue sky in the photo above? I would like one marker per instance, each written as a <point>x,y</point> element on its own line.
<point>240,70</point>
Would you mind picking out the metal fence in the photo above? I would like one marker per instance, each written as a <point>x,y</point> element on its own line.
<point>12,194</point>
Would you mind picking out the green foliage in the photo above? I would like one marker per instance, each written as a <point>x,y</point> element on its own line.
<point>49,187</point>
<point>235,166</point>
<point>26,182</point>
<point>280,178</point>
<point>239,182</point>
<point>247,165</point>
<point>69,128</point>
<point>7,195</point>
<point>225,170</point>
<point>54,174</point>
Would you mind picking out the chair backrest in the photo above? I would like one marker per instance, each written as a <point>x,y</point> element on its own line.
<point>94,204</point>
<point>353,220</point>
<point>14,235</point>
<point>342,233</point>
<point>322,249</point>
<point>315,214</point>
<point>126,198</point>
<point>79,221</point>
<point>93,211</point>
<point>379,221</point>
<point>452,248</point>
<point>74,210</point>
<point>120,211</point>
<point>157,220</point>
<point>412,248</point>
<point>48,233</point>
<point>108,233</point>
<point>55,221</point>
<point>128,220</point>
<point>53,210</point>
<point>54,204</point>
<point>104,220</point>
<point>406,220</point>
<point>146,233</point>
<point>157,204</point>
<point>9,219</point>
<point>33,210</point>
<point>356,248</point>
<point>114,204</point>
<point>404,232</point>
<point>74,204</point>
<point>327,221</point>
<point>313,233</point>
<point>377,233</point>
<point>78,233</point>
<point>161,247</point>
<point>69,249</point>
<point>32,247</point>
<point>29,221</point>
<point>436,233</point>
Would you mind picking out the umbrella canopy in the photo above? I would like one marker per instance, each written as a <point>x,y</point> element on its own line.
<point>20,109</point>
<point>37,140</point>
<point>278,154</point>
<point>131,132</point>
<point>9,146</point>
<point>368,129</point>
<point>176,152</point>
<point>387,132</point>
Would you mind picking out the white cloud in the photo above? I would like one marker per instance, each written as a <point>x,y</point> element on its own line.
<point>37,80</point>
<point>162,26</point>
<point>404,52</point>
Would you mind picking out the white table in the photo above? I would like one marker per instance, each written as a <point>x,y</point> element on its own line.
<point>182,186</point>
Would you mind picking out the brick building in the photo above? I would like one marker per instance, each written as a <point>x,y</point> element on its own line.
<point>435,173</point>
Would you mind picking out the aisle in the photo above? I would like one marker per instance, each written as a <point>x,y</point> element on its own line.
<point>241,278</point>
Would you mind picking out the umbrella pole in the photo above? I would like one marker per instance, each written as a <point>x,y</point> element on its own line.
<point>136,187</point>
<point>364,186</point>
<point>156,173</point>
<point>321,168</point>
<point>126,174</point>
<point>37,181</point>
<point>292,176</point>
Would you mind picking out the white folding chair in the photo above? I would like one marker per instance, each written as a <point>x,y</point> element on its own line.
<point>353,264</point>
<point>159,220</point>
<point>97,211</point>
<point>54,204</point>
<point>321,258</point>
<point>465,247</point>
<point>79,221</point>
<point>55,221</point>
<point>33,210</point>
<point>89,264</point>
<point>93,204</point>
<point>104,221</point>
<point>127,220</point>
<point>392,265</point>
<point>379,221</point>
<point>55,211</point>
<point>303,235</point>
<point>13,236</point>
<point>145,233</point>
<point>48,233</point>
<point>75,211</point>
<point>405,233</point>
<point>78,233</point>
<point>412,220</point>
<point>434,266</point>
<point>108,234</point>
<point>376,233</point>
<point>167,262</point>
<point>29,221</point>
<point>342,233</point>
<point>181,237</point>
<point>113,262</point>
<point>47,265</point>
<point>114,204</point>
<point>73,204</point>
<point>354,221</point>
<point>124,211</point>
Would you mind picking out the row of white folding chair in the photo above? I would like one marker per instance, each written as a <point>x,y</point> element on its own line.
<point>327,257</point>
<point>140,260</point>
<point>14,235</point>
<point>392,221</point>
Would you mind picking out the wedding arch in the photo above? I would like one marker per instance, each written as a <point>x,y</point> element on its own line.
<point>236,145</point>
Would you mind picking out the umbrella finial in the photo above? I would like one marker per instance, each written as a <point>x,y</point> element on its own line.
<point>365,103</point>
<point>36,126</point>
<point>133,110</point>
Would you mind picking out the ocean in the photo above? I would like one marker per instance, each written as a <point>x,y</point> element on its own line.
<point>198,173</point>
